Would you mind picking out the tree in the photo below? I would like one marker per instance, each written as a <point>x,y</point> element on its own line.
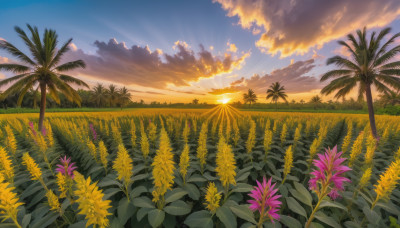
<point>316,100</point>
<point>371,64</point>
<point>124,97</point>
<point>195,101</point>
<point>391,98</point>
<point>43,70</point>
<point>302,101</point>
<point>99,95</point>
<point>112,95</point>
<point>275,92</point>
<point>250,97</point>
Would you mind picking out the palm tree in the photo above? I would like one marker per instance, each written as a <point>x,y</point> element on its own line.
<point>124,96</point>
<point>250,97</point>
<point>195,101</point>
<point>112,95</point>
<point>99,95</point>
<point>316,100</point>
<point>391,98</point>
<point>371,64</point>
<point>43,70</point>
<point>275,92</point>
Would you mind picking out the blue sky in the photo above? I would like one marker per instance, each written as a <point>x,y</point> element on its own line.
<point>159,24</point>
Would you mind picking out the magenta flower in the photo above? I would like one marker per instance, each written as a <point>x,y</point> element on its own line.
<point>329,175</point>
<point>32,128</point>
<point>265,201</point>
<point>66,167</point>
<point>44,131</point>
<point>93,131</point>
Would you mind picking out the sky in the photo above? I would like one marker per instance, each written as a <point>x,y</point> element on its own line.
<point>179,50</point>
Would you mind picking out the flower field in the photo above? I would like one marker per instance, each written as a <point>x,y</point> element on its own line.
<point>199,168</point>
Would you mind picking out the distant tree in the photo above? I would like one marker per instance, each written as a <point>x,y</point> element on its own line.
<point>43,71</point>
<point>316,100</point>
<point>275,92</point>
<point>293,101</point>
<point>142,102</point>
<point>195,101</point>
<point>371,63</point>
<point>99,95</point>
<point>124,97</point>
<point>391,98</point>
<point>302,101</point>
<point>249,97</point>
<point>112,95</point>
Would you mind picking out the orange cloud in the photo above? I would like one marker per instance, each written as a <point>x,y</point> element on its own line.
<point>137,65</point>
<point>293,27</point>
<point>231,47</point>
<point>223,91</point>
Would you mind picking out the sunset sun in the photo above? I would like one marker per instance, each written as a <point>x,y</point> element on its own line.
<point>224,100</point>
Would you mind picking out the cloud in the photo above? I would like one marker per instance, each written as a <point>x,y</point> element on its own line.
<point>294,77</point>
<point>73,46</point>
<point>1,38</point>
<point>137,65</point>
<point>343,51</point>
<point>4,59</point>
<point>231,47</point>
<point>293,27</point>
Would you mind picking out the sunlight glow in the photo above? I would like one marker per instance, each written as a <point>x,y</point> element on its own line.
<point>224,101</point>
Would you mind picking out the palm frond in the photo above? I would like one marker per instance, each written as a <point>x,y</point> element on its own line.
<point>4,45</point>
<point>71,65</point>
<point>15,68</point>
<point>9,80</point>
<point>337,84</point>
<point>335,73</point>
<point>342,62</point>
<point>387,56</point>
<point>70,79</point>
<point>64,49</point>
<point>23,92</point>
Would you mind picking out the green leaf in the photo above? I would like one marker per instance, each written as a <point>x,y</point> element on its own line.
<point>142,212</point>
<point>46,220</point>
<point>108,182</point>
<point>192,190</point>
<point>327,220</point>
<point>225,215</point>
<point>326,203</point>
<point>143,202</point>
<point>178,208</point>
<point>290,222</point>
<point>196,178</point>
<point>242,187</point>
<point>372,216</point>
<point>243,212</point>
<point>304,193</point>
<point>26,220</point>
<point>156,217</point>
<point>137,191</point>
<point>125,210</point>
<point>242,177</point>
<point>295,206</point>
<point>174,195</point>
<point>200,219</point>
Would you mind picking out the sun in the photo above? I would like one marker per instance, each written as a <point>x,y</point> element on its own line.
<point>224,101</point>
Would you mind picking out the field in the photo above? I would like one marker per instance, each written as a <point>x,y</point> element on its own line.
<point>197,167</point>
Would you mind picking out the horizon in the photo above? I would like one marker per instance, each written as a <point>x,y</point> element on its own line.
<point>209,50</point>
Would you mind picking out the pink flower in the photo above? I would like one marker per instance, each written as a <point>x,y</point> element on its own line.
<point>44,131</point>
<point>66,168</point>
<point>93,131</point>
<point>329,175</point>
<point>32,128</point>
<point>265,201</point>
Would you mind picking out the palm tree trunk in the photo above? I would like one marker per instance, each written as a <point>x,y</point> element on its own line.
<point>371,110</point>
<point>42,105</point>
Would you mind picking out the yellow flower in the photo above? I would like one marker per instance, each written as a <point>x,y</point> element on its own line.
<point>387,181</point>
<point>365,178</point>
<point>184,161</point>
<point>133,134</point>
<point>10,141</point>
<point>103,154</point>
<point>212,198</point>
<point>41,143</point>
<point>123,164</point>
<point>347,139</point>
<point>314,149</point>
<point>308,128</point>
<point>90,202</point>
<point>371,145</point>
<point>31,166</point>
<point>228,130</point>
<point>6,166</point>
<point>62,185</point>
<point>8,202</point>
<point>288,161</point>
<point>144,144</point>
<point>226,164</point>
<point>202,146</point>
<point>152,133</point>
<point>116,134</point>
<point>52,199</point>
<point>236,133</point>
<point>92,149</point>
<point>185,133</point>
<point>356,149</point>
<point>297,134</point>
<point>163,167</point>
<point>283,134</point>
<point>267,141</point>
<point>251,139</point>
<point>49,133</point>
